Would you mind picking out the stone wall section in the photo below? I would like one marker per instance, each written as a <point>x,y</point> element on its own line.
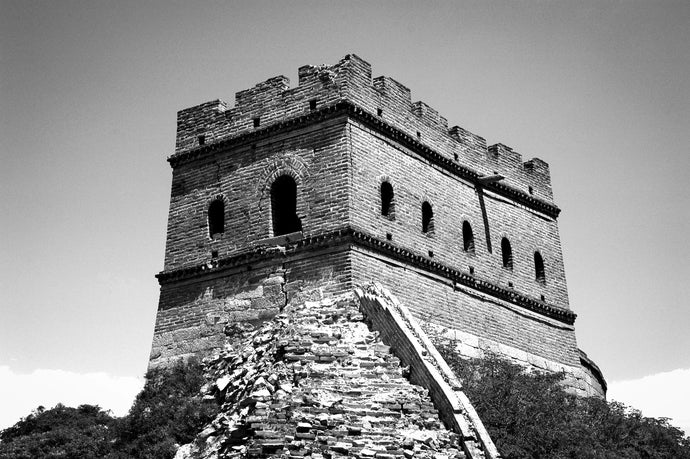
<point>316,381</point>
<point>578,379</point>
<point>193,314</point>
<point>315,157</point>
<point>398,329</point>
<point>273,101</point>
<point>375,158</point>
<point>440,302</point>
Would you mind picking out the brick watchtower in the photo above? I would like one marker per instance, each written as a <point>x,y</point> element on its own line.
<point>302,192</point>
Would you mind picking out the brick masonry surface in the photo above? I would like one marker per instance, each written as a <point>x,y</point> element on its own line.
<point>316,381</point>
<point>338,135</point>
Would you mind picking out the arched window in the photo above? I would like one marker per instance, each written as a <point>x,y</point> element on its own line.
<point>216,218</point>
<point>284,206</point>
<point>539,274</point>
<point>467,237</point>
<point>387,200</point>
<point>506,253</point>
<point>427,218</point>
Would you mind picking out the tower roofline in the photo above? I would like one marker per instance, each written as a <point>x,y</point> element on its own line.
<point>273,103</point>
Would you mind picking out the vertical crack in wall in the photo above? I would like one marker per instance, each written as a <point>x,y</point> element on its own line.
<point>283,285</point>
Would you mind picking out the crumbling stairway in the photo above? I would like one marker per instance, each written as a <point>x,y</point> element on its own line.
<point>317,382</point>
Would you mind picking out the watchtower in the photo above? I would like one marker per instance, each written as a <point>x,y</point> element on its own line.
<point>297,193</point>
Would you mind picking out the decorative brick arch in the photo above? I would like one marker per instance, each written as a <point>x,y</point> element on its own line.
<point>275,167</point>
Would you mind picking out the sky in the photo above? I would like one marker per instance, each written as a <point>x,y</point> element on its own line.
<point>89,92</point>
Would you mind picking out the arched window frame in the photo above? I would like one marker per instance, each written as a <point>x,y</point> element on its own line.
<point>427,218</point>
<point>216,218</point>
<point>284,218</point>
<point>539,269</point>
<point>507,253</point>
<point>387,195</point>
<point>467,237</point>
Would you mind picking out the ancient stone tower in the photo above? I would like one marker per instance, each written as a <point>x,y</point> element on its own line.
<point>300,193</point>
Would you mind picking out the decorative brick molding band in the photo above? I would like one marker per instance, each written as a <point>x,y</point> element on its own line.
<point>350,236</point>
<point>351,110</point>
<point>399,330</point>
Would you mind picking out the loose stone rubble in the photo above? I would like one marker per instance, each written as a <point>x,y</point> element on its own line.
<point>316,382</point>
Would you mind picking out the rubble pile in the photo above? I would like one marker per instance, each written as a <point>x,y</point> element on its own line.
<point>315,382</point>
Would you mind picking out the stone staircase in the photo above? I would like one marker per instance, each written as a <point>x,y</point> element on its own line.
<point>317,382</point>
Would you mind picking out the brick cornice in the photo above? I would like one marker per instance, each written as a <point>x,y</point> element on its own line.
<point>346,107</point>
<point>350,236</point>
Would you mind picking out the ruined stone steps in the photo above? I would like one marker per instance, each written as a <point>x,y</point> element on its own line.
<point>316,382</point>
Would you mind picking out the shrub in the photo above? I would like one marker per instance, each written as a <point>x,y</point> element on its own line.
<point>166,413</point>
<point>530,415</point>
<point>71,433</point>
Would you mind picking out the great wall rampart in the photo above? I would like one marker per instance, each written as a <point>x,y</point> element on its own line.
<point>302,193</point>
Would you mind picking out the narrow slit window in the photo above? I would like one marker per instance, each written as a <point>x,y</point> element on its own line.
<point>387,200</point>
<point>539,273</point>
<point>427,218</point>
<point>284,206</point>
<point>216,218</point>
<point>507,253</point>
<point>467,237</point>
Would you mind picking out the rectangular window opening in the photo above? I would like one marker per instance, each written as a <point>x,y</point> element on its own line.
<point>257,122</point>
<point>389,236</point>
<point>312,105</point>
<point>472,270</point>
<point>201,139</point>
<point>379,112</point>
<point>214,254</point>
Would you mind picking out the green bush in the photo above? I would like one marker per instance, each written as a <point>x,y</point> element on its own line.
<point>530,415</point>
<point>167,412</point>
<point>71,433</point>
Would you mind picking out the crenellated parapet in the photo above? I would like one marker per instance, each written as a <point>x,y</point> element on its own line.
<point>273,103</point>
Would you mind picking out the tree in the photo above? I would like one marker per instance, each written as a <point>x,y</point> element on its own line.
<point>166,413</point>
<point>530,415</point>
<point>71,433</point>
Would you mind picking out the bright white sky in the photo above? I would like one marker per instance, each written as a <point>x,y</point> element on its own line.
<point>88,97</point>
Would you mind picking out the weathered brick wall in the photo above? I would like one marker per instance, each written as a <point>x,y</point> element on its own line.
<point>192,314</point>
<point>273,101</point>
<point>437,301</point>
<point>339,134</point>
<point>315,157</point>
<point>375,158</point>
<point>399,330</point>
